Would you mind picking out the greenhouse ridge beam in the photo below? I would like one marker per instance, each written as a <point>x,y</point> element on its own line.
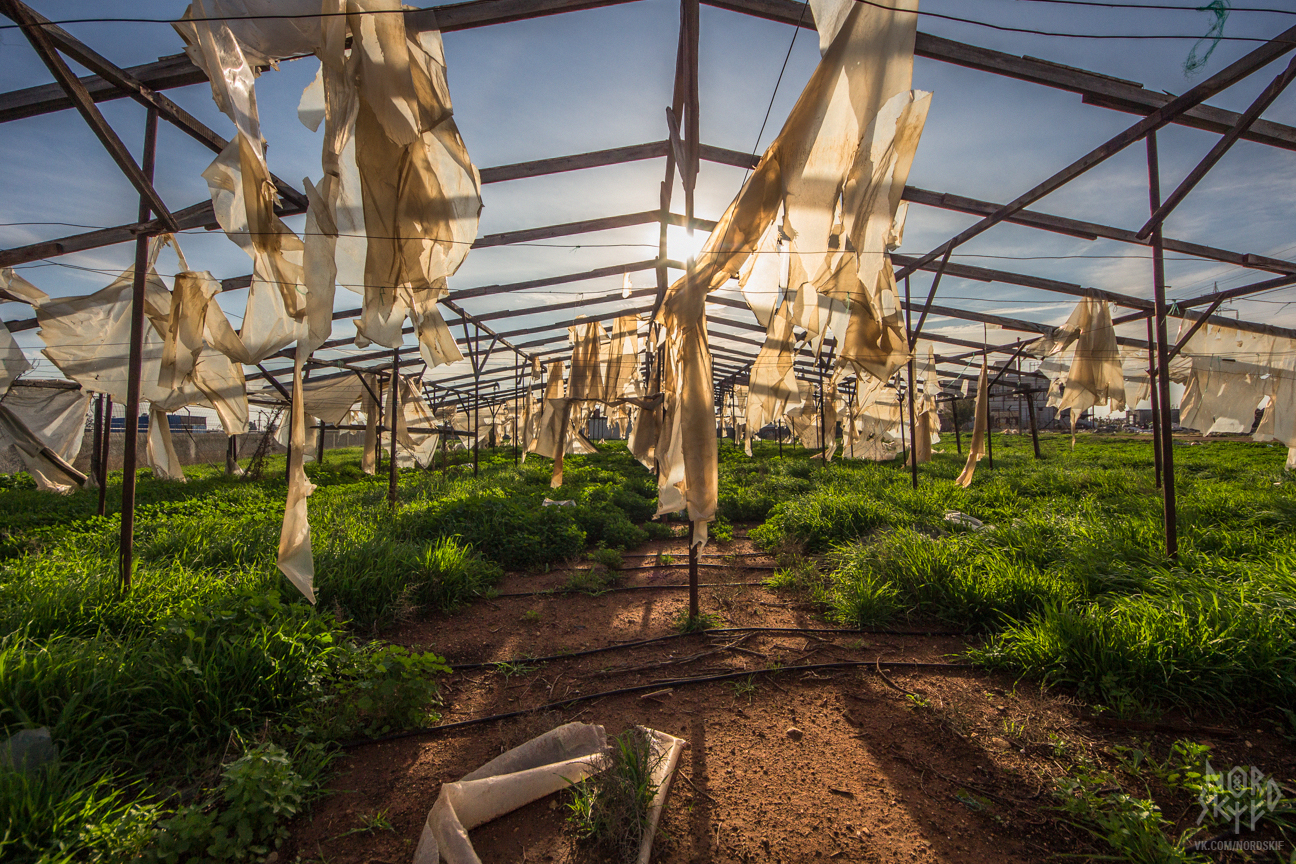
<point>1097,89</point>
<point>1094,88</point>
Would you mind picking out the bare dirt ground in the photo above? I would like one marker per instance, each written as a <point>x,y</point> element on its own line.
<point>846,764</point>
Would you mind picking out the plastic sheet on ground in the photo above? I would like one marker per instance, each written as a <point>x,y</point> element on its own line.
<point>544,765</point>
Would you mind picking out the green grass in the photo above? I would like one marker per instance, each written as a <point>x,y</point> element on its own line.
<point>149,692</point>
<point>1068,580</point>
<point>212,654</point>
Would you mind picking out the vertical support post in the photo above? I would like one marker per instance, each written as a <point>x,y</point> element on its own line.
<point>96,452</point>
<point>1154,396</point>
<point>378,438</point>
<point>913,419</point>
<point>394,401</point>
<point>823,407</point>
<point>958,434</point>
<point>904,436</point>
<point>106,456</point>
<point>989,437</point>
<point>1019,390</point>
<point>692,144</point>
<point>1163,370</point>
<point>288,449</point>
<point>913,427</point>
<point>476,417</point>
<point>733,409</point>
<point>1030,411</point>
<point>134,371</point>
<point>231,455</point>
<point>319,452</point>
<point>694,612</point>
<point>517,408</point>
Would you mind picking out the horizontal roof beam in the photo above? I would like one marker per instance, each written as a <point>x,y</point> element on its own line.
<point>1092,230</point>
<point>1094,88</point>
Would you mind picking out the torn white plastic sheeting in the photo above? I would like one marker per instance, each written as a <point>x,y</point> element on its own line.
<point>12,360</point>
<point>38,422</point>
<point>159,452</point>
<point>330,400</point>
<point>295,559</point>
<point>546,764</point>
<point>414,448</point>
<point>664,756</point>
<point>809,171</point>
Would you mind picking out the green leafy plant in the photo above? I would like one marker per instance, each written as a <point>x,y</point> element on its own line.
<point>1185,767</point>
<point>1131,759</point>
<point>258,792</point>
<point>1132,828</point>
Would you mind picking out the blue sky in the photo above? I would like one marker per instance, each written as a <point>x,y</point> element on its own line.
<point>602,78</point>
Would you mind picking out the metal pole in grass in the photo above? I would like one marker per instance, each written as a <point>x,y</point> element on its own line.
<point>378,438</point>
<point>985,358</point>
<point>1154,396</point>
<point>733,409</point>
<point>319,453</point>
<point>96,455</point>
<point>904,437</point>
<point>394,402</point>
<point>913,421</point>
<point>517,388</point>
<point>106,456</point>
<point>1034,424</point>
<point>823,406</point>
<point>693,572</point>
<point>958,435</point>
<point>989,439</point>
<point>913,427</point>
<point>476,364</point>
<point>134,370</point>
<point>1163,372</point>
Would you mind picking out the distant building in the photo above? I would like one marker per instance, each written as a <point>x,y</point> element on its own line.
<point>177,422</point>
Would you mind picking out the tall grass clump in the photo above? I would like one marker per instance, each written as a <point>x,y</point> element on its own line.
<point>610,810</point>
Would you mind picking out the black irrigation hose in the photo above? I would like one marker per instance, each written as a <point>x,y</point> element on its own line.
<point>563,592</point>
<point>459,667</point>
<point>671,567</point>
<point>477,721</point>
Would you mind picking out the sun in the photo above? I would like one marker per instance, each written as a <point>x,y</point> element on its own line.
<point>680,246</point>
